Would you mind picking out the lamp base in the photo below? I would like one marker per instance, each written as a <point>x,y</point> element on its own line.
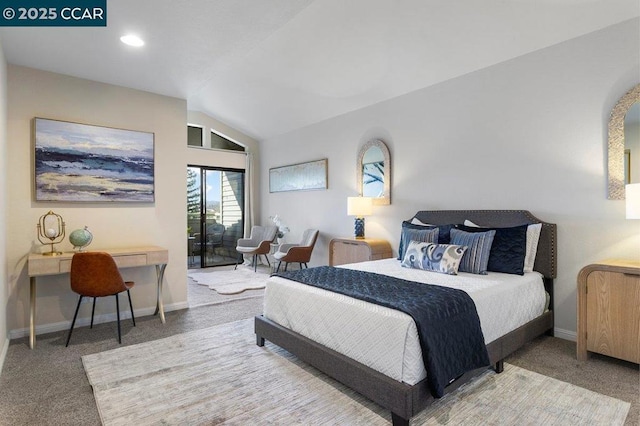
<point>53,252</point>
<point>359,227</point>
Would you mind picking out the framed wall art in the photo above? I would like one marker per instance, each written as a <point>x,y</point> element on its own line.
<point>299,177</point>
<point>85,163</point>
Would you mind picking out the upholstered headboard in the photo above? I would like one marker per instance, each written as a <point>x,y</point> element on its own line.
<point>546,258</point>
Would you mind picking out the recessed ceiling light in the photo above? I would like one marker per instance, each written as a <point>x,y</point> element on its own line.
<point>132,40</point>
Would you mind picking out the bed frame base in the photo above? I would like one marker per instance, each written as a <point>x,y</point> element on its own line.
<point>404,401</point>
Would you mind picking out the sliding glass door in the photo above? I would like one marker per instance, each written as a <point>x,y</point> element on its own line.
<point>215,215</point>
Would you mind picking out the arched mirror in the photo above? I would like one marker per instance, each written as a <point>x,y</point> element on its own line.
<point>624,144</point>
<point>374,172</point>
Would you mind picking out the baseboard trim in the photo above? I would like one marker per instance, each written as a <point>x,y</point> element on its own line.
<point>565,334</point>
<point>64,325</point>
<point>3,353</point>
<point>98,319</point>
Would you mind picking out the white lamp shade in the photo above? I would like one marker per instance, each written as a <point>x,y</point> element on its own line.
<point>359,206</point>
<point>632,196</point>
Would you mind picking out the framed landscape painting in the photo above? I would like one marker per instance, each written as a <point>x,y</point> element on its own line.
<point>85,163</point>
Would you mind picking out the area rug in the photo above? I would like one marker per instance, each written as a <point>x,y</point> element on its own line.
<point>219,376</point>
<point>231,282</point>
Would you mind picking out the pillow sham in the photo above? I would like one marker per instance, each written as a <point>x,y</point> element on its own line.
<point>441,258</point>
<point>443,235</point>
<point>508,249</point>
<point>533,236</point>
<point>478,245</point>
<point>445,230</point>
<point>421,234</point>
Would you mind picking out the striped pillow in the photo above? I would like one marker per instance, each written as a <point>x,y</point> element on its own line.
<point>476,258</point>
<point>419,235</point>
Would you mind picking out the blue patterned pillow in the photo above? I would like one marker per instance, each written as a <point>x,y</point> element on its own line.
<point>443,258</point>
<point>478,245</point>
<point>423,235</point>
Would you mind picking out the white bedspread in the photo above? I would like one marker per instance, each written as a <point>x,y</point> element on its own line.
<point>385,339</point>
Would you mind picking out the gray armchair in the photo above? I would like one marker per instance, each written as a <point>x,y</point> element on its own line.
<point>300,253</point>
<point>259,242</point>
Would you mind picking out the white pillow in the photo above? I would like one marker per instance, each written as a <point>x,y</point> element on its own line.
<point>533,235</point>
<point>415,221</point>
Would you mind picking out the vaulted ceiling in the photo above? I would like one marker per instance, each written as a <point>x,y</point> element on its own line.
<point>266,67</point>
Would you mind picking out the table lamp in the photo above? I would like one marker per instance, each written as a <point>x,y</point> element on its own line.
<point>359,207</point>
<point>632,196</point>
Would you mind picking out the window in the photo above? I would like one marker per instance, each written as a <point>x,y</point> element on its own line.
<point>194,136</point>
<point>220,142</point>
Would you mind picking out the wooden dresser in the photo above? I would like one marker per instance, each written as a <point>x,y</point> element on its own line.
<point>352,250</point>
<point>609,310</point>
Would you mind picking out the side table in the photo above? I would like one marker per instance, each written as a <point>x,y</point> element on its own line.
<point>609,310</point>
<point>352,250</point>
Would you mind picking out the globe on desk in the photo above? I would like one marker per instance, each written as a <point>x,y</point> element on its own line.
<point>80,238</point>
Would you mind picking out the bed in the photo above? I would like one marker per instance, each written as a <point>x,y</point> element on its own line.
<point>403,389</point>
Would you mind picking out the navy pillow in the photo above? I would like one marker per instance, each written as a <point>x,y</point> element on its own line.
<point>444,235</point>
<point>508,250</point>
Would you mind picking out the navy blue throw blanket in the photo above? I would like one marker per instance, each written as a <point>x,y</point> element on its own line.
<point>448,325</point>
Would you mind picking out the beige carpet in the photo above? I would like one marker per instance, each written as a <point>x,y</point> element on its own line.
<point>231,282</point>
<point>219,376</point>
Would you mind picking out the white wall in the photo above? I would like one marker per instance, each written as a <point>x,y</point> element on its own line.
<point>33,93</point>
<point>529,133</point>
<point>4,341</point>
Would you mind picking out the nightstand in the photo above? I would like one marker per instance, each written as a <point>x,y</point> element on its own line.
<point>353,250</point>
<point>609,310</point>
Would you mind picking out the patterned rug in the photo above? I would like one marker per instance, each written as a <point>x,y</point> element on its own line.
<point>233,281</point>
<point>219,376</point>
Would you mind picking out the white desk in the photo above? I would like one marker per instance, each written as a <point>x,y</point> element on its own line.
<point>40,265</point>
